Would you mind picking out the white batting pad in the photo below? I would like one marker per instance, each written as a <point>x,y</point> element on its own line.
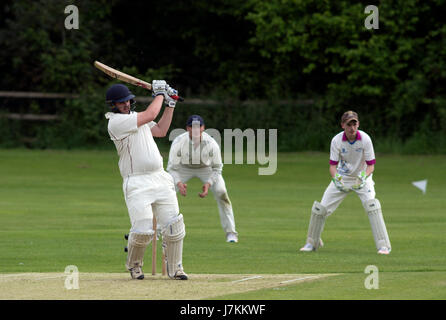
<point>373,209</point>
<point>173,236</point>
<point>137,244</point>
<point>317,222</point>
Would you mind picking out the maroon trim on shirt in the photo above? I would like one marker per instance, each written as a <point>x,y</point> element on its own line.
<point>333,163</point>
<point>358,136</point>
<point>369,163</point>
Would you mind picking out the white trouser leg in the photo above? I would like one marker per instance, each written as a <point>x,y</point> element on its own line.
<point>332,198</point>
<point>145,196</point>
<point>219,192</point>
<point>224,205</point>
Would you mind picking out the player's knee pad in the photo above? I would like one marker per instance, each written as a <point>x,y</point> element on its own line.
<point>374,212</point>
<point>175,230</point>
<point>319,209</point>
<point>317,222</point>
<point>173,236</point>
<point>137,244</point>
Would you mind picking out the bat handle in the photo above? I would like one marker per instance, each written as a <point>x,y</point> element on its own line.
<point>181,99</point>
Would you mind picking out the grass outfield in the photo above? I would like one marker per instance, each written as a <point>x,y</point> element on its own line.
<point>60,208</point>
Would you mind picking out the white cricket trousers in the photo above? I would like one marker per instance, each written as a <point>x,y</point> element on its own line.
<point>333,197</point>
<point>147,195</point>
<point>219,191</point>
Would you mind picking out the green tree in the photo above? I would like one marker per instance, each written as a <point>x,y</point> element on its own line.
<point>394,75</point>
<point>41,55</point>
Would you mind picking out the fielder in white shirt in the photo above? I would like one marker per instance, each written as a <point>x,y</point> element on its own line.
<point>196,154</point>
<point>352,162</point>
<point>148,189</point>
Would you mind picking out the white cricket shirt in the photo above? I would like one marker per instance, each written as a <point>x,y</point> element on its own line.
<point>185,154</point>
<point>351,157</point>
<point>138,152</point>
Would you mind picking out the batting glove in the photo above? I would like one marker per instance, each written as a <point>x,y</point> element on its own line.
<point>171,97</point>
<point>159,87</point>
<point>337,180</point>
<point>361,180</point>
<point>170,102</point>
<point>171,92</point>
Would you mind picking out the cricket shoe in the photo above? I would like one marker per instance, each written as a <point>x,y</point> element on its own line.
<point>384,250</point>
<point>231,237</point>
<point>136,273</point>
<point>308,247</point>
<point>180,275</point>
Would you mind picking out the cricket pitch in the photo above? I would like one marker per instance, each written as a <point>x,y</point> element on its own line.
<point>119,286</point>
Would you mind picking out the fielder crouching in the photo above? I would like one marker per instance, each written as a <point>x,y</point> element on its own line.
<point>196,154</point>
<point>148,189</point>
<point>352,162</point>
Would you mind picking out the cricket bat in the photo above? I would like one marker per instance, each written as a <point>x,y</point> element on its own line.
<point>127,78</point>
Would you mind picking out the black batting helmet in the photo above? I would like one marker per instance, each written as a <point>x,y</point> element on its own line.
<point>118,93</point>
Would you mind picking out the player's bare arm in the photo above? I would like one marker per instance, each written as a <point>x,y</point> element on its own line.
<point>161,128</point>
<point>161,91</point>
<point>160,87</point>
<point>333,170</point>
<point>151,112</point>
<point>369,170</point>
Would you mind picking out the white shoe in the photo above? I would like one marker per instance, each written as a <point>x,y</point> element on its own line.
<point>384,250</point>
<point>231,237</point>
<point>308,247</point>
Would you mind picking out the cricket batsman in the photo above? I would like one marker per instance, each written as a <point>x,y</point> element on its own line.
<point>148,189</point>
<point>196,154</point>
<point>352,162</point>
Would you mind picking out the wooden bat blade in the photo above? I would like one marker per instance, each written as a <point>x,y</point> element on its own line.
<point>122,76</point>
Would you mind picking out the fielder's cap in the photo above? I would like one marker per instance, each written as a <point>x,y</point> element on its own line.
<point>193,118</point>
<point>348,116</point>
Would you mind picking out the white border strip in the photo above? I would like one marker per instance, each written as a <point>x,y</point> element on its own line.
<point>245,279</point>
<point>298,279</point>
<point>9,276</point>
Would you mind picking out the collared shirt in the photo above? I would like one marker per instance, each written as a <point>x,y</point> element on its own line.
<point>138,152</point>
<point>351,157</point>
<point>184,153</point>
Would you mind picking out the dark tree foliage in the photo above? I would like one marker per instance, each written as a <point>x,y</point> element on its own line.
<point>235,51</point>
